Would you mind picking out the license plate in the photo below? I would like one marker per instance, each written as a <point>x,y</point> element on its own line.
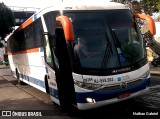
<point>124,95</point>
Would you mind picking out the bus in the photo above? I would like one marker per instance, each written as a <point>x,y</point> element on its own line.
<point>42,54</point>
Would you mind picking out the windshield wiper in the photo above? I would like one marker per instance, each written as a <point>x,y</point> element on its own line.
<point>116,38</point>
<point>107,53</point>
<point>119,47</point>
<point>108,49</point>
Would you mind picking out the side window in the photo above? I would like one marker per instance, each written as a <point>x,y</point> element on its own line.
<point>16,42</point>
<point>13,44</point>
<point>19,41</point>
<point>29,37</point>
<point>38,33</point>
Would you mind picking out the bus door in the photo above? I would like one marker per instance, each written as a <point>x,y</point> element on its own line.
<point>64,77</point>
<point>50,63</point>
<point>57,55</point>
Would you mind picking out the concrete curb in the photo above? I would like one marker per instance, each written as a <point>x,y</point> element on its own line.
<point>155,73</point>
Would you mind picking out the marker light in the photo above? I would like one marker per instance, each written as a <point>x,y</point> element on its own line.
<point>90,100</point>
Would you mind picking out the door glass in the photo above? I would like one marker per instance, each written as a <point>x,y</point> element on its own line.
<point>47,51</point>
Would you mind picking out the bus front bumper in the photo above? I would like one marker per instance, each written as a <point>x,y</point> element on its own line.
<point>99,99</point>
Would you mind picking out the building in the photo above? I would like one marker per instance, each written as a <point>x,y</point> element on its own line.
<point>2,52</point>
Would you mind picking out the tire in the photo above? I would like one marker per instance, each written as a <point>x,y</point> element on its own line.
<point>46,84</point>
<point>155,64</point>
<point>18,78</point>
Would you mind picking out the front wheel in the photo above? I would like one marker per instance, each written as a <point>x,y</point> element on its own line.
<point>155,64</point>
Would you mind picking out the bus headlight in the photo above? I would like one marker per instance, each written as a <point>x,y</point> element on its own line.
<point>88,86</point>
<point>145,76</point>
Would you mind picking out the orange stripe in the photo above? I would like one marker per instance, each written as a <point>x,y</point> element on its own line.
<point>25,24</point>
<point>25,51</point>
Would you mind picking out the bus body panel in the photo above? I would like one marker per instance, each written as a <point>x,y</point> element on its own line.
<point>53,90</point>
<point>34,71</point>
<point>31,68</point>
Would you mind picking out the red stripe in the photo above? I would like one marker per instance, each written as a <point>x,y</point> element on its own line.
<point>25,51</point>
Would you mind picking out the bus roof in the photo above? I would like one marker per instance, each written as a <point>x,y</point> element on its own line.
<point>99,5</point>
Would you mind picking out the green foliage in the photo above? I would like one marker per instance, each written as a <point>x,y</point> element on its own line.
<point>158,5</point>
<point>135,5</point>
<point>7,20</point>
<point>148,6</point>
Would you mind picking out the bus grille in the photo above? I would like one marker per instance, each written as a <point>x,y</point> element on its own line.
<point>117,87</point>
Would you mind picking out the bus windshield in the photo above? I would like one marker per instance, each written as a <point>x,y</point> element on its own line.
<point>106,39</point>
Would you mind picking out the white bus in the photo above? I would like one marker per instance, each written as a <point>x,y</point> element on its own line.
<point>42,54</point>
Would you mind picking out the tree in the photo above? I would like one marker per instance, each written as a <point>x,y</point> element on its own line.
<point>136,7</point>
<point>7,21</point>
<point>150,6</point>
<point>147,6</point>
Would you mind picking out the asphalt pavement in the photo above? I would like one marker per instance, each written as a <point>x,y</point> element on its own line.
<point>15,97</point>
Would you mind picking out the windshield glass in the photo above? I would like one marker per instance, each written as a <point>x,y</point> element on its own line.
<point>106,39</point>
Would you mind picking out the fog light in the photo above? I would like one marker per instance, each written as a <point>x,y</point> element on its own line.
<point>90,100</point>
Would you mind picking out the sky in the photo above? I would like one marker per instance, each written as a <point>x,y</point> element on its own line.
<point>37,3</point>
<point>29,3</point>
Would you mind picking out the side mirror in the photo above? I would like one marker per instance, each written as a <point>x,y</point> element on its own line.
<point>67,27</point>
<point>150,21</point>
